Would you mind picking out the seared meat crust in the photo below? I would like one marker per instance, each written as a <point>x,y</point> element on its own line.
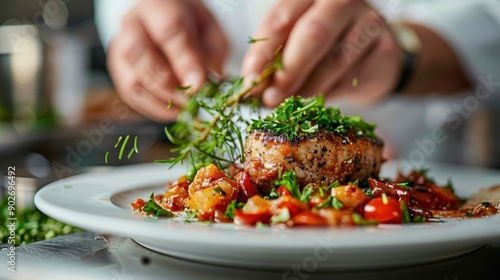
<point>322,158</point>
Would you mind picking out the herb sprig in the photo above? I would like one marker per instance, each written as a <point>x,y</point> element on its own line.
<point>218,141</point>
<point>298,116</point>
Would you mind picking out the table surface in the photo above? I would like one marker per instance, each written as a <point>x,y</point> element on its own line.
<point>125,259</point>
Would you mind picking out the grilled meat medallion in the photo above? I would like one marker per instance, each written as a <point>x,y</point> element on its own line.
<point>322,158</point>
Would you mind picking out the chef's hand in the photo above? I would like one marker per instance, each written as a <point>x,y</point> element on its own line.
<point>328,46</point>
<point>164,44</point>
<point>343,48</point>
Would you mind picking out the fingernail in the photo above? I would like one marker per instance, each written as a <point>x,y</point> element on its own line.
<point>193,79</point>
<point>249,79</point>
<point>272,96</point>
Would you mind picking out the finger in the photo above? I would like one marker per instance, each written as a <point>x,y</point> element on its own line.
<point>355,45</point>
<point>214,44</point>
<point>311,38</point>
<point>151,69</point>
<point>274,29</point>
<point>376,74</point>
<point>171,27</point>
<point>123,49</point>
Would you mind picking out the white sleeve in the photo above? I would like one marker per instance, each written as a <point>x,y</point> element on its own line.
<point>108,15</point>
<point>471,28</point>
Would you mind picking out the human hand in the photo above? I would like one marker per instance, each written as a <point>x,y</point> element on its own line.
<point>337,48</point>
<point>164,44</point>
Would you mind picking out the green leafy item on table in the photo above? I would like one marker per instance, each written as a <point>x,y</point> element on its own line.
<point>31,226</point>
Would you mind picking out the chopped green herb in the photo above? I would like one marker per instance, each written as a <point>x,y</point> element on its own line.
<point>419,219</point>
<point>337,204</point>
<point>385,200</point>
<point>406,212</point>
<point>122,149</point>
<point>255,40</point>
<point>357,219</point>
<point>231,207</point>
<point>118,141</point>
<point>333,185</point>
<point>219,191</point>
<point>355,183</point>
<point>405,185</point>
<point>283,216</point>
<point>368,192</point>
<point>106,158</point>
<point>191,214</point>
<point>183,88</point>
<point>326,203</point>
<point>272,195</point>
<point>152,207</point>
<point>321,191</point>
<point>170,104</point>
<point>289,180</point>
<point>469,214</point>
<point>298,116</point>
<point>306,194</point>
<point>486,204</point>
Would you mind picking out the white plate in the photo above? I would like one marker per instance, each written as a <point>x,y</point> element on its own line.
<point>100,202</point>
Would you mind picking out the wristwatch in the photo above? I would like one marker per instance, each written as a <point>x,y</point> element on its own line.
<point>411,46</point>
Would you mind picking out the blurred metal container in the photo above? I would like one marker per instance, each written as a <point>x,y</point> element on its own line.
<point>21,60</point>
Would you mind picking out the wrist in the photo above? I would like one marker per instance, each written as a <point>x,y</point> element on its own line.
<point>411,47</point>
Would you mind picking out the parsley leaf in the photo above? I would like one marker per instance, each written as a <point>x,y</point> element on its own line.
<point>231,207</point>
<point>152,207</point>
<point>289,180</point>
<point>306,194</point>
<point>219,190</point>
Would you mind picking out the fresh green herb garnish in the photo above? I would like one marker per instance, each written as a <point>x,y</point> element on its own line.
<point>406,212</point>
<point>326,203</point>
<point>299,116</point>
<point>191,214</point>
<point>289,180</point>
<point>486,204</point>
<point>405,185</point>
<point>152,207</point>
<point>357,219</point>
<point>337,204</point>
<point>419,219</point>
<point>272,195</point>
<point>31,225</point>
<point>306,194</point>
<point>219,190</point>
<point>231,207</point>
<point>219,140</point>
<point>385,199</point>
<point>469,214</point>
<point>333,185</point>
<point>368,192</point>
<point>255,40</point>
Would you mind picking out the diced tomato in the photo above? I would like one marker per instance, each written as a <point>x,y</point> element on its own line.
<point>389,212</point>
<point>256,210</point>
<point>308,218</point>
<point>244,218</point>
<point>287,201</point>
<point>247,189</point>
<point>283,191</point>
<point>138,204</point>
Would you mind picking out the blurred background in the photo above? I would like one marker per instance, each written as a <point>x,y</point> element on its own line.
<point>59,113</point>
